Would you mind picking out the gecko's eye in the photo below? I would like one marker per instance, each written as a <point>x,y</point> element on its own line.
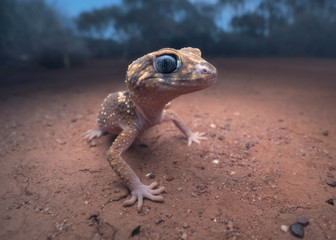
<point>166,63</point>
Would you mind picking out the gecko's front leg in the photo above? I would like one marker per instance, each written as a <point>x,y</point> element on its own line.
<point>191,136</point>
<point>139,191</point>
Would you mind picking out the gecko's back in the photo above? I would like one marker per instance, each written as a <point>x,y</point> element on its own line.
<point>117,111</point>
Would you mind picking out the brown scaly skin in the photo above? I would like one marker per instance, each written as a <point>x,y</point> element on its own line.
<point>142,106</point>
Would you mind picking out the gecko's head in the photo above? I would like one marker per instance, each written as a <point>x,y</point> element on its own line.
<point>169,70</point>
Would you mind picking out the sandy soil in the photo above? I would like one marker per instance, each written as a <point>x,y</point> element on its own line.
<point>264,165</point>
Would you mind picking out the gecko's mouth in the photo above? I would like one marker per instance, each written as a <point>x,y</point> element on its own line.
<point>204,81</point>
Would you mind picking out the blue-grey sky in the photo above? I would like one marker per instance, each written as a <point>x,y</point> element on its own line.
<point>73,8</point>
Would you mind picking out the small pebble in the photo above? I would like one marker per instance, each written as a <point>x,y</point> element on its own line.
<point>186,225</point>
<point>184,236</point>
<point>331,181</point>
<point>170,178</point>
<point>226,127</point>
<point>158,220</point>
<point>60,141</point>
<point>297,230</point>
<point>303,221</point>
<point>213,125</point>
<point>135,231</point>
<point>232,173</point>
<point>169,215</point>
<point>179,189</point>
<point>150,175</point>
<point>284,228</point>
<point>220,138</point>
<point>230,226</point>
<point>330,201</point>
<point>303,152</point>
<point>325,133</point>
<point>249,145</point>
<point>86,202</point>
<point>74,120</point>
<point>212,134</point>
<point>215,161</point>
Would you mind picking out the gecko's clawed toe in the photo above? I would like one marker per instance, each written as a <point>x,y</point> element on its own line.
<point>158,191</point>
<point>143,191</point>
<point>130,201</point>
<point>153,185</point>
<point>155,198</point>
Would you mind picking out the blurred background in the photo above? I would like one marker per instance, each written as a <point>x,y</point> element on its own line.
<point>62,33</point>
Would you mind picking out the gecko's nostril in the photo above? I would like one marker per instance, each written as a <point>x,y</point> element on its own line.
<point>204,71</point>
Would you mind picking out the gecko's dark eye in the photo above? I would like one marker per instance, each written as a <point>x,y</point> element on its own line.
<point>165,64</point>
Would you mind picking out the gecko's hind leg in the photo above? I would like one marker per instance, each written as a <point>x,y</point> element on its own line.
<point>91,134</point>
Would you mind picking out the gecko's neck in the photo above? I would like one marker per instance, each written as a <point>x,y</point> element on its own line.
<point>150,106</point>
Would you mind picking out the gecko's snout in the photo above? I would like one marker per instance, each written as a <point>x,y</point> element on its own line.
<point>208,71</point>
<point>204,71</point>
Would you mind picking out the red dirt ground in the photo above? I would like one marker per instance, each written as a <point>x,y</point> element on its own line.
<point>264,121</point>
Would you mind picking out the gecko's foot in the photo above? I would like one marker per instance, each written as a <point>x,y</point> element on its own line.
<point>196,137</point>
<point>143,191</point>
<point>91,134</point>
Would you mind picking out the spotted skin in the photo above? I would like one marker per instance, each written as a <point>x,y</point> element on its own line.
<point>144,104</point>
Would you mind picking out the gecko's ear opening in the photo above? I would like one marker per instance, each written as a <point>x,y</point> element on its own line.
<point>195,51</point>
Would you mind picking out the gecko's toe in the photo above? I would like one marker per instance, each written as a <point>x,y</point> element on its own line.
<point>130,201</point>
<point>158,191</point>
<point>154,198</point>
<point>140,203</point>
<point>153,185</point>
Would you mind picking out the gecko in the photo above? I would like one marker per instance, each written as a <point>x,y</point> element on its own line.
<point>152,82</point>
